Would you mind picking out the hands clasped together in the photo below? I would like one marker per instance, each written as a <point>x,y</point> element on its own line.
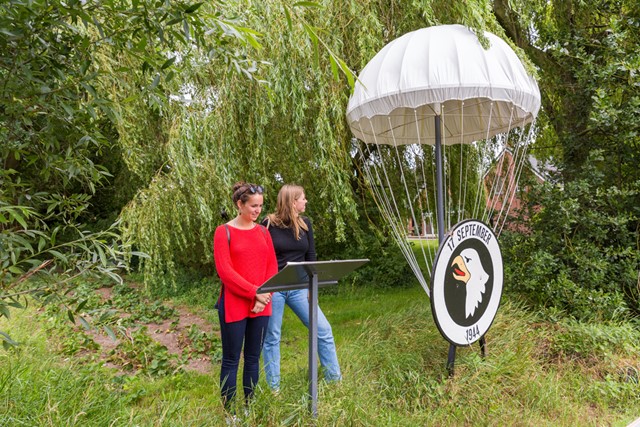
<point>262,300</point>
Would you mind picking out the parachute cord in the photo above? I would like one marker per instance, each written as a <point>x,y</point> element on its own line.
<point>476,207</point>
<point>379,195</point>
<point>507,182</point>
<point>418,156</point>
<point>392,214</point>
<point>519,172</point>
<point>466,169</point>
<point>494,193</point>
<point>498,184</point>
<point>402,177</point>
<point>517,162</point>
<point>427,261</point>
<point>412,259</point>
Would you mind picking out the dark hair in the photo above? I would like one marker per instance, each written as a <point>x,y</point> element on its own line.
<point>243,190</point>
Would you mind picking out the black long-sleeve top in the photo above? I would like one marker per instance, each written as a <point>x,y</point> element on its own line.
<point>288,249</point>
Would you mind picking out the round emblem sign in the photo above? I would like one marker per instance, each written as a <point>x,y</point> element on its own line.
<point>466,282</point>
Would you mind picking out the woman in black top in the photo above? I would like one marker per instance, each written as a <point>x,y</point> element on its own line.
<point>292,236</point>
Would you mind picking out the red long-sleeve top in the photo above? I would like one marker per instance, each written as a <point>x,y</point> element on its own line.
<point>244,261</point>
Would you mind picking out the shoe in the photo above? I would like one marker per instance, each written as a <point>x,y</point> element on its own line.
<point>232,420</point>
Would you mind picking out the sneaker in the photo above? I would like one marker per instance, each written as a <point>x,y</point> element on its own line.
<point>232,420</point>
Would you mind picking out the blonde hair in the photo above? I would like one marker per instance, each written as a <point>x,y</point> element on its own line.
<point>285,215</point>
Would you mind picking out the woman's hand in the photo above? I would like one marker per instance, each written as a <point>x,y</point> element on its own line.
<point>263,298</point>
<point>258,307</point>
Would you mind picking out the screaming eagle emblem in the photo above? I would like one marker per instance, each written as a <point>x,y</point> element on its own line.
<point>466,282</point>
<point>467,268</point>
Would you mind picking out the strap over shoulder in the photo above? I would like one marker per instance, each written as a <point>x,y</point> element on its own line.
<point>226,228</point>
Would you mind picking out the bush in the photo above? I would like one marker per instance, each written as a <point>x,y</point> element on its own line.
<point>386,268</point>
<point>581,254</point>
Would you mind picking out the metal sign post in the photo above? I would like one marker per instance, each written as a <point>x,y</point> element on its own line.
<point>442,265</point>
<point>311,275</point>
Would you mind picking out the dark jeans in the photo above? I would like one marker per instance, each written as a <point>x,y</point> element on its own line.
<point>249,331</point>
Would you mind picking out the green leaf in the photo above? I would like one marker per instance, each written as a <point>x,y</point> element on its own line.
<point>347,71</point>
<point>185,29</point>
<point>18,217</point>
<point>9,33</point>
<point>334,67</point>
<point>41,244</point>
<point>4,310</point>
<point>110,332</point>
<point>103,258</point>
<point>307,4</point>
<point>81,305</point>
<point>311,33</point>
<point>168,63</point>
<point>288,17</point>
<point>140,254</point>
<point>84,323</point>
<point>253,41</point>
<point>193,8</point>
<point>54,234</point>
<point>6,339</point>
<point>15,270</point>
<point>156,81</point>
<point>58,255</point>
<point>15,304</point>
<point>71,316</point>
<point>314,41</point>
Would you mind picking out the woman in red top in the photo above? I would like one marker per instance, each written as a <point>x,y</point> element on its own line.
<point>245,259</point>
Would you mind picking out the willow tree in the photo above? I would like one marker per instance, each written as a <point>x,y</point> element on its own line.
<point>286,126</point>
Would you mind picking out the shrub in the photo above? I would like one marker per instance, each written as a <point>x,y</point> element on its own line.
<point>581,254</point>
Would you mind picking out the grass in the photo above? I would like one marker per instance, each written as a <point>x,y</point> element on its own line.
<point>393,361</point>
<point>424,248</point>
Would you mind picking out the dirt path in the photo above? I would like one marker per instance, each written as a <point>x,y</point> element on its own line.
<point>187,337</point>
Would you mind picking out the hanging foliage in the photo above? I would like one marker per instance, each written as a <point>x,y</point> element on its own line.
<point>287,126</point>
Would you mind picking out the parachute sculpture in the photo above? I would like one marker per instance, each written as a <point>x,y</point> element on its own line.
<point>433,109</point>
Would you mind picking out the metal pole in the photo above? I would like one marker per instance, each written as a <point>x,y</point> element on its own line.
<point>439,189</point>
<point>313,343</point>
<point>451,359</point>
<point>440,213</point>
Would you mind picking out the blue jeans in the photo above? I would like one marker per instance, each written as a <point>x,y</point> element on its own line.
<point>298,302</point>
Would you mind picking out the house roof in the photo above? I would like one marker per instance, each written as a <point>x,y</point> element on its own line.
<point>546,171</point>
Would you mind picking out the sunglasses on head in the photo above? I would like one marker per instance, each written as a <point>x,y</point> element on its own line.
<point>253,189</point>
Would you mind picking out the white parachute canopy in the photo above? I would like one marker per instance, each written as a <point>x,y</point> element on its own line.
<point>441,76</point>
<point>435,69</point>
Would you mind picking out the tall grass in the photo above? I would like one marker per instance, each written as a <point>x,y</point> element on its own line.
<point>393,361</point>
